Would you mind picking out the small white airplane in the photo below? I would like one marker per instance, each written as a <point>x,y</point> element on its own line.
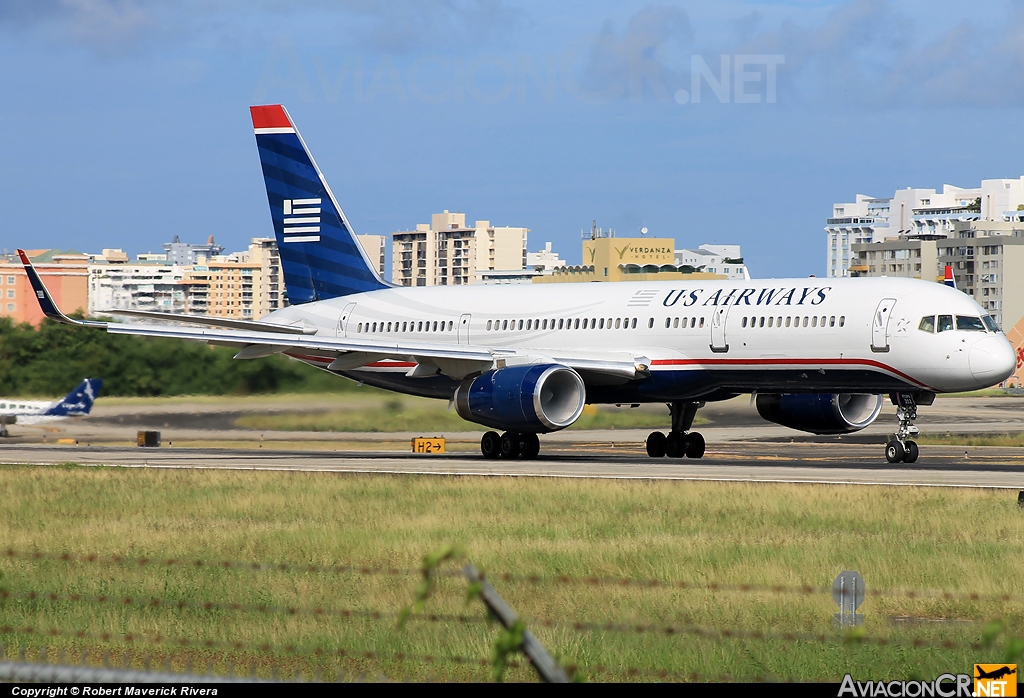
<point>75,404</point>
<point>818,354</point>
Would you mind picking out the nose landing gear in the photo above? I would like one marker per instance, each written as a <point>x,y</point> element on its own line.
<point>900,448</point>
<point>680,441</point>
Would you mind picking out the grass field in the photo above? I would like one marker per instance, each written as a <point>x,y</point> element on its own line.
<point>949,439</point>
<point>698,533</point>
<point>398,414</point>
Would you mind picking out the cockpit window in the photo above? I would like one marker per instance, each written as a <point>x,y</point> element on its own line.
<point>945,323</point>
<point>991,324</point>
<point>971,324</point>
<point>927,324</point>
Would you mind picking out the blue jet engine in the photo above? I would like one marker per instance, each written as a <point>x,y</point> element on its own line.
<point>838,413</point>
<point>536,398</point>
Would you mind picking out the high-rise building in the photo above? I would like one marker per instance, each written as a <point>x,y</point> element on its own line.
<point>185,253</point>
<point>374,246</point>
<point>910,213</point>
<point>65,274</point>
<point>447,253</point>
<point>115,283</point>
<point>714,259</point>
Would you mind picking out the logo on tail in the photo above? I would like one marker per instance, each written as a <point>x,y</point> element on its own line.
<point>320,255</point>
<point>78,401</point>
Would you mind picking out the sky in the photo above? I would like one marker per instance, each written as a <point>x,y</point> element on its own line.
<point>125,122</point>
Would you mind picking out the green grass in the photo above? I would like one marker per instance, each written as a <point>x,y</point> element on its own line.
<point>950,439</point>
<point>386,414</point>
<point>700,533</point>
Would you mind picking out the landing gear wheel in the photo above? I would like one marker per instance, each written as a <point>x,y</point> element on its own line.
<point>656,445</point>
<point>490,445</point>
<point>529,446</point>
<point>509,446</point>
<point>894,452</point>
<point>912,452</point>
<point>675,445</point>
<point>694,445</point>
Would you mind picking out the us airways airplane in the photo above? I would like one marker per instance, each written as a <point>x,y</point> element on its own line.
<point>75,404</point>
<point>818,354</point>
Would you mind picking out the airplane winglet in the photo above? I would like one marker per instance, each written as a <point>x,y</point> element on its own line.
<point>46,303</point>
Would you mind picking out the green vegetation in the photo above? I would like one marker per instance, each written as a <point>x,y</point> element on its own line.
<point>700,533</point>
<point>949,439</point>
<point>53,359</point>
<point>396,414</point>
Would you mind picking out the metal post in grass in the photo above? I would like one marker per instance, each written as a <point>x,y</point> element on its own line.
<point>848,592</point>
<point>547,668</point>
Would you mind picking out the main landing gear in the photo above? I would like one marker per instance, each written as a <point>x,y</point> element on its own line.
<point>680,441</point>
<point>900,448</point>
<point>511,444</point>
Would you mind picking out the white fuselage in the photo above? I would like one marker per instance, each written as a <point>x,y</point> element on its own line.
<point>28,411</point>
<point>699,338</point>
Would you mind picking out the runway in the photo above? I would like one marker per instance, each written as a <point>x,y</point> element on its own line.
<point>943,466</point>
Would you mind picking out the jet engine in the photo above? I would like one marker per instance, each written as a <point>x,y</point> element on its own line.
<point>536,398</point>
<point>820,413</point>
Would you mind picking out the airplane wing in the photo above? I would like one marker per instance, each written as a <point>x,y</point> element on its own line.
<point>256,339</point>
<point>214,322</point>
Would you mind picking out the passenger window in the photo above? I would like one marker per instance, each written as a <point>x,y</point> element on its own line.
<point>814,321</point>
<point>842,320</point>
<point>832,321</point>
<point>560,321</point>
<point>702,322</point>
<point>789,320</point>
<point>520,324</point>
<point>435,325</point>
<point>600,324</point>
<point>744,323</point>
<point>778,322</point>
<point>650,323</point>
<point>504,325</point>
<point>451,324</point>
<point>404,325</point>
<point>675,323</point>
<point>668,322</point>
<point>545,326</point>
<point>375,327</point>
<point>489,324</point>
<point>945,323</point>
<point>760,322</point>
<point>970,324</point>
<point>805,321</point>
<point>770,321</point>
<point>576,325</point>
<point>633,324</point>
<point>927,324</point>
<point>529,324</point>
<point>822,320</point>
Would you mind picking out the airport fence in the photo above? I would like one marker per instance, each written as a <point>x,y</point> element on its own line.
<point>163,657</point>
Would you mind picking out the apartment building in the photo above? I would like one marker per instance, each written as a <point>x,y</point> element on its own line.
<point>916,213</point>
<point>448,253</point>
<point>375,247</point>
<point>65,273</point>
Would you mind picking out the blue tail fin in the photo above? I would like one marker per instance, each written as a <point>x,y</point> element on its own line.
<point>320,255</point>
<point>78,401</point>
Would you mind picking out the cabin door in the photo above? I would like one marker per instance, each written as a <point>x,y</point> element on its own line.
<point>880,325</point>
<point>719,344</point>
<point>464,328</point>
<point>343,320</point>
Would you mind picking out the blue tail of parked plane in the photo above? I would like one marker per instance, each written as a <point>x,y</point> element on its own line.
<point>79,401</point>
<point>320,255</point>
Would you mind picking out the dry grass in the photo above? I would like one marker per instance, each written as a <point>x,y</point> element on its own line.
<point>898,538</point>
<point>403,414</point>
<point>949,439</point>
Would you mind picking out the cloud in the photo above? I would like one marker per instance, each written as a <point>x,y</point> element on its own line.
<point>394,26</point>
<point>868,53</point>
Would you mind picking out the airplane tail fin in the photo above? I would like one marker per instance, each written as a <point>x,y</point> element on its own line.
<point>320,255</point>
<point>78,401</point>
<point>948,277</point>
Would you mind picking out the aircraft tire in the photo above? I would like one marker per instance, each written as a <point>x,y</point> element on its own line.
<point>894,451</point>
<point>675,445</point>
<point>509,445</point>
<point>694,445</point>
<point>656,445</point>
<point>490,445</point>
<point>529,446</point>
<point>912,452</point>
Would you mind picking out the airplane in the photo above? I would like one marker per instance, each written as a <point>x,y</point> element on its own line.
<point>75,404</point>
<point>816,354</point>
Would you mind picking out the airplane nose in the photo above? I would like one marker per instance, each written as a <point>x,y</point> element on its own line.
<point>992,360</point>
